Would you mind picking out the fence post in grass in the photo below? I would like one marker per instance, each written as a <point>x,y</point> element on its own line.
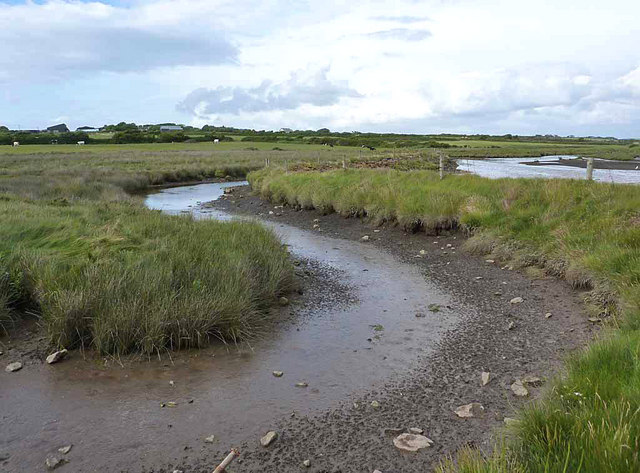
<point>589,169</point>
<point>344,163</point>
<point>441,156</point>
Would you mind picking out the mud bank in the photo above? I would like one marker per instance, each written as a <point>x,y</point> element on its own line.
<point>508,340</point>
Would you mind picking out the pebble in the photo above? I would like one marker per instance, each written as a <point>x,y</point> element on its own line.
<point>57,356</point>
<point>375,404</point>
<point>65,450</point>
<point>416,430</point>
<point>516,300</point>
<point>490,261</point>
<point>278,374</point>
<point>485,377</point>
<point>412,442</point>
<point>365,238</point>
<point>54,462</point>
<point>547,315</point>
<point>15,366</point>
<point>306,463</point>
<point>474,409</point>
<point>268,438</point>
<point>512,325</point>
<point>301,384</point>
<point>518,389</point>
<point>210,439</point>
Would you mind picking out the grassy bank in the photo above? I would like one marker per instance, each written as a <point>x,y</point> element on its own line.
<point>102,271</point>
<point>585,232</point>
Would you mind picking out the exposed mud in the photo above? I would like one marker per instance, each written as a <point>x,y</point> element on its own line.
<point>376,320</point>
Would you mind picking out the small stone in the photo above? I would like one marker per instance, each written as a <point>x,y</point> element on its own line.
<point>57,356</point>
<point>518,389</point>
<point>485,377</point>
<point>301,384</point>
<point>547,315</point>
<point>595,320</point>
<point>512,325</point>
<point>268,438</point>
<point>365,238</point>
<point>278,374</point>
<point>316,220</point>
<point>474,409</point>
<point>171,383</point>
<point>210,439</point>
<point>490,261</point>
<point>15,366</point>
<point>270,212</point>
<point>478,278</point>
<point>306,463</point>
<point>65,450</point>
<point>532,380</point>
<point>416,430</point>
<point>54,462</point>
<point>283,301</point>
<point>412,442</point>
<point>422,252</point>
<point>178,471</point>
<point>516,300</point>
<point>375,404</point>
<point>376,231</point>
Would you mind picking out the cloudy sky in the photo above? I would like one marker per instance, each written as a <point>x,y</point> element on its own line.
<point>430,66</point>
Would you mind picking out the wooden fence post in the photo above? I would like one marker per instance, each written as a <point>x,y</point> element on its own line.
<point>441,165</point>
<point>590,169</point>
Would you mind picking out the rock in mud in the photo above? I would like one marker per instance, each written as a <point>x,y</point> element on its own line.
<point>473,409</point>
<point>302,385</point>
<point>416,430</point>
<point>518,389</point>
<point>306,463</point>
<point>365,238</point>
<point>412,442</point>
<point>516,300</point>
<point>283,301</point>
<point>490,261</point>
<point>268,438</point>
<point>210,439</point>
<point>375,404</point>
<point>57,356</point>
<point>54,462</point>
<point>15,366</point>
<point>511,326</point>
<point>485,377</point>
<point>65,450</point>
<point>278,374</point>
<point>547,315</point>
<point>531,380</point>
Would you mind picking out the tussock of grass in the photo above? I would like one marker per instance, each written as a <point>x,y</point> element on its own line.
<point>104,272</point>
<point>585,232</point>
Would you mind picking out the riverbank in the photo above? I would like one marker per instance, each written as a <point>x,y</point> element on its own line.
<point>584,232</point>
<point>508,340</point>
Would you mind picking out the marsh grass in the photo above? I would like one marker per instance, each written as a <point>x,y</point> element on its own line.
<point>103,272</point>
<point>585,232</point>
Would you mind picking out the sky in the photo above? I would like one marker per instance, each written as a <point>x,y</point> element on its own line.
<point>567,67</point>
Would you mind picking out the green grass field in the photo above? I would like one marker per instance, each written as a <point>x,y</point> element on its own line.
<point>585,232</point>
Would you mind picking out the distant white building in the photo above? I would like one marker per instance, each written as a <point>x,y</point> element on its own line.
<point>165,128</point>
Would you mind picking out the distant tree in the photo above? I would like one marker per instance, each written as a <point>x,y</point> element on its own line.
<point>3,129</point>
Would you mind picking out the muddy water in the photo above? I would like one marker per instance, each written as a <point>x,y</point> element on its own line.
<point>495,168</point>
<point>113,416</point>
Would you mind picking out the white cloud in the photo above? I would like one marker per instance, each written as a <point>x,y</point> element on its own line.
<point>568,66</point>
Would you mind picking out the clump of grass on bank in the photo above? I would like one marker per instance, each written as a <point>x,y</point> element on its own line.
<point>104,272</point>
<point>586,232</point>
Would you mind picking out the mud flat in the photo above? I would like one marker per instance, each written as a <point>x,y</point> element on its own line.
<point>491,334</point>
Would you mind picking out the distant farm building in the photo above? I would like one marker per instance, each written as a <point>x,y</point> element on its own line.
<point>167,128</point>
<point>62,128</point>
